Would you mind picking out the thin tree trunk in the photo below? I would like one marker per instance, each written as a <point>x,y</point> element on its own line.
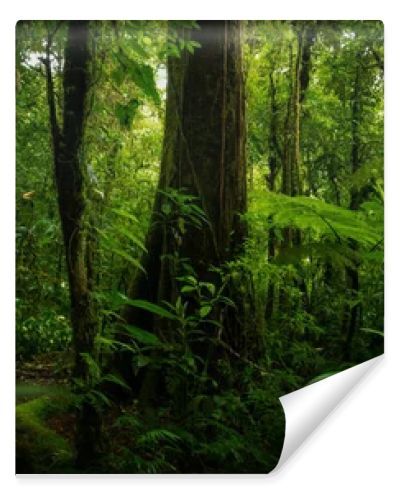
<point>274,155</point>
<point>273,149</point>
<point>299,76</point>
<point>288,135</point>
<point>353,315</point>
<point>70,182</point>
<point>308,40</point>
<point>295,166</point>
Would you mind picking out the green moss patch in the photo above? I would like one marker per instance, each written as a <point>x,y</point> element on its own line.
<point>40,449</point>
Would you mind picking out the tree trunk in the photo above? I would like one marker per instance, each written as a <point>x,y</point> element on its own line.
<point>295,167</point>
<point>299,80</point>
<point>299,75</point>
<point>353,314</point>
<point>273,144</point>
<point>70,182</point>
<point>308,40</point>
<point>274,154</point>
<point>204,155</point>
<point>287,160</point>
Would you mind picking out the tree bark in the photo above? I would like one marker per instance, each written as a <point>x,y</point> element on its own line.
<point>70,181</point>
<point>274,152</point>
<point>274,155</point>
<point>299,76</point>
<point>204,154</point>
<point>353,314</point>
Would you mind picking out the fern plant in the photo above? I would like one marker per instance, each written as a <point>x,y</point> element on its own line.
<point>320,219</point>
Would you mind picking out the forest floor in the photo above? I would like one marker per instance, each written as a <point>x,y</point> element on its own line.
<point>44,370</point>
<point>45,420</point>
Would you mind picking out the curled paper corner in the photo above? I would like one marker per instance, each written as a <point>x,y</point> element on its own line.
<point>306,408</point>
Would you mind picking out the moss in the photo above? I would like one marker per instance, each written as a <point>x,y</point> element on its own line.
<point>40,449</point>
<point>26,392</point>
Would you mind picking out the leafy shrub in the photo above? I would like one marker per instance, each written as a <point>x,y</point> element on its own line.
<point>42,332</point>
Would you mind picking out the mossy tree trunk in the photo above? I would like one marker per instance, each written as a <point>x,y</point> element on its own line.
<point>299,77</point>
<point>298,81</point>
<point>352,317</point>
<point>274,157</point>
<point>70,172</point>
<point>203,154</point>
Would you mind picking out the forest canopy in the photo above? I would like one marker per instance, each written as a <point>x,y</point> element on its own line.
<point>199,231</point>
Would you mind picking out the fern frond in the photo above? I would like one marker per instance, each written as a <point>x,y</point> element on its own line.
<point>322,220</point>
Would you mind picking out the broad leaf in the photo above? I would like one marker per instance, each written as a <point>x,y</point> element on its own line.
<point>142,336</point>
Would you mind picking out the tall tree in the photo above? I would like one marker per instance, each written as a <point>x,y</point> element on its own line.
<point>204,155</point>
<point>70,173</point>
<point>353,316</point>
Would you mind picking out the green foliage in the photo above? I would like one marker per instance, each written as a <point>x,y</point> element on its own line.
<point>126,112</point>
<point>290,288</point>
<point>180,209</point>
<point>311,215</point>
<point>148,306</point>
<point>142,336</point>
<point>224,432</point>
<point>141,74</point>
<point>51,332</point>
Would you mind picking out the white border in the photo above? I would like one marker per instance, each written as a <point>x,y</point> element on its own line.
<point>354,454</point>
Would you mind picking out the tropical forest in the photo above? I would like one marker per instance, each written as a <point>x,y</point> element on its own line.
<point>199,231</point>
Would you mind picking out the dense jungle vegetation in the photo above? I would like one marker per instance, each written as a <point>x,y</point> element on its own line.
<point>199,231</point>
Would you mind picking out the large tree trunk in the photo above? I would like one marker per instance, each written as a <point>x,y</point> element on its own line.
<point>70,182</point>
<point>204,154</point>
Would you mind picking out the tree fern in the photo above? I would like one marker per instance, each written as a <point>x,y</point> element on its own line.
<point>320,219</point>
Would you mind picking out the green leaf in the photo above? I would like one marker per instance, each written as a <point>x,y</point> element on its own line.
<point>305,213</point>
<point>93,367</point>
<point>142,360</point>
<point>187,279</point>
<point>132,237</point>
<point>98,396</point>
<point>371,330</point>
<point>125,214</point>
<point>155,436</point>
<point>204,310</point>
<point>187,289</point>
<point>142,336</point>
<point>210,287</point>
<point>116,380</point>
<point>140,51</point>
<point>127,257</point>
<point>149,306</point>
<point>142,75</point>
<point>113,246</point>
